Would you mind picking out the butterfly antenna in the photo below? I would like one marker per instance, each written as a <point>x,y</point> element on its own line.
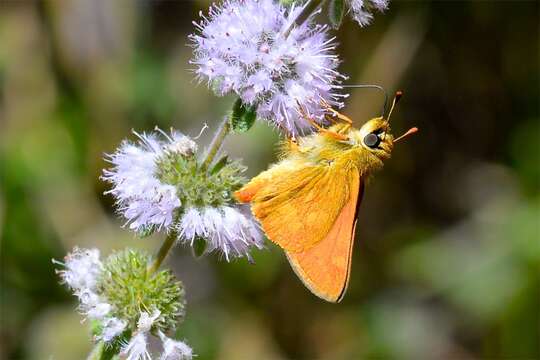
<point>409,132</point>
<point>398,96</point>
<point>369,86</point>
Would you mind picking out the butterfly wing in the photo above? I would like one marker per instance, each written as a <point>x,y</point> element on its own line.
<point>311,213</point>
<point>298,205</point>
<point>325,267</point>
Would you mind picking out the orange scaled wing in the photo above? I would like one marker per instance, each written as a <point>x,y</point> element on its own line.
<point>297,206</point>
<point>325,267</point>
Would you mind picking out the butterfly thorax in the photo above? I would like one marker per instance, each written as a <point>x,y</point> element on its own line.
<point>323,149</point>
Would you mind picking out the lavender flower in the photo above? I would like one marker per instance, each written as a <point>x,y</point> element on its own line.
<point>112,327</point>
<point>226,228</point>
<point>174,349</point>
<point>137,348</point>
<point>362,10</point>
<point>245,47</point>
<point>143,199</point>
<point>159,184</point>
<point>82,267</point>
<point>113,292</point>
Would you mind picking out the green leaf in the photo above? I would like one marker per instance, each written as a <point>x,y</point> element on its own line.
<point>146,231</point>
<point>250,116</point>
<point>243,116</point>
<point>219,165</point>
<point>199,247</point>
<point>336,10</point>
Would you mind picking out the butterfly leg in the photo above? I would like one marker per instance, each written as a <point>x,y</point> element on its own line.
<point>336,114</point>
<point>333,134</point>
<point>341,128</point>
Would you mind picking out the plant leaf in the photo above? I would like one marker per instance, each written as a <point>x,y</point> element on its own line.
<point>199,247</point>
<point>243,116</point>
<point>219,164</point>
<point>336,10</point>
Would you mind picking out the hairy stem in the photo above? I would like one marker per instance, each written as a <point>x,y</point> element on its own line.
<point>162,252</point>
<point>217,141</point>
<point>97,351</point>
<point>309,8</point>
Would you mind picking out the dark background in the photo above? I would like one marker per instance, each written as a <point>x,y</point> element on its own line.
<point>447,256</point>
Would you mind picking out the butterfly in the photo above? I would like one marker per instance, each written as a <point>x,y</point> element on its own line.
<point>307,203</point>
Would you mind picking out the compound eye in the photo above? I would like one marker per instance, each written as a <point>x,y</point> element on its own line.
<point>372,140</point>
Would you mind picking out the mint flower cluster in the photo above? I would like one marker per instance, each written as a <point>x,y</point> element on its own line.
<point>124,303</point>
<point>160,185</point>
<point>252,49</point>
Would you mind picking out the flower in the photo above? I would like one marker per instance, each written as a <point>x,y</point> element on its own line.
<point>113,292</point>
<point>81,274</point>
<point>226,229</point>
<point>159,184</point>
<point>142,198</point>
<point>146,320</point>
<point>129,288</point>
<point>98,310</point>
<point>112,327</point>
<point>251,48</point>
<point>362,10</point>
<point>137,348</point>
<point>82,267</point>
<point>174,349</point>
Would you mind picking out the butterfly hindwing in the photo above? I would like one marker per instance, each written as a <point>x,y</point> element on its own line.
<point>325,267</point>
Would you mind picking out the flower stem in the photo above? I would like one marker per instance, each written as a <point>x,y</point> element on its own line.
<point>217,141</point>
<point>309,8</point>
<point>215,145</point>
<point>162,252</point>
<point>97,351</point>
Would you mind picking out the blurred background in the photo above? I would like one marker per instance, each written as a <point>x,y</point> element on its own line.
<point>447,255</point>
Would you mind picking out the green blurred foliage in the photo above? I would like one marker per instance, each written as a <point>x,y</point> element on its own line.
<point>447,258</point>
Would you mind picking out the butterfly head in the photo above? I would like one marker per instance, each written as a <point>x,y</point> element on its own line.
<point>375,137</point>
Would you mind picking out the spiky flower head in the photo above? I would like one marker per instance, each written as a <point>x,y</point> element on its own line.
<point>160,184</point>
<point>130,290</point>
<point>362,10</point>
<point>253,49</point>
<point>145,201</point>
<point>120,297</point>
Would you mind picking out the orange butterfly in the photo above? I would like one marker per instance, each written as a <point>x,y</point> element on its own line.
<point>307,202</point>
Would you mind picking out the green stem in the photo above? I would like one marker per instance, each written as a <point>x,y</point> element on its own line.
<point>309,8</point>
<point>97,351</point>
<point>162,252</point>
<point>217,142</point>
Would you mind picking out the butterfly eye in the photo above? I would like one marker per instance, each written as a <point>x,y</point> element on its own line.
<point>372,140</point>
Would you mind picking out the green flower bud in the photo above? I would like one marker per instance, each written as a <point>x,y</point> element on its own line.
<point>130,289</point>
<point>197,187</point>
